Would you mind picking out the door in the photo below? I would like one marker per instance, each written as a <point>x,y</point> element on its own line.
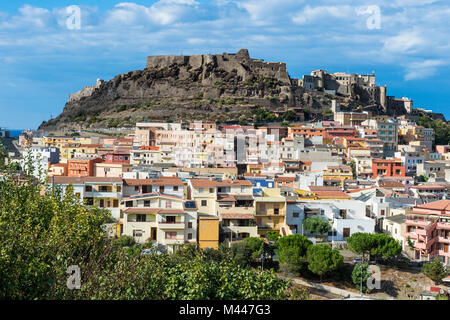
<point>445,247</point>
<point>346,232</point>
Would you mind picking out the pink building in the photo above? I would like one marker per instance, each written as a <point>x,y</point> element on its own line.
<point>428,228</point>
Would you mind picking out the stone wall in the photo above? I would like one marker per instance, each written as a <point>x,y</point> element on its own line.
<point>85,92</point>
<point>241,62</point>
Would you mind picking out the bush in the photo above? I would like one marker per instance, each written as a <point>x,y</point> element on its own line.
<point>292,250</point>
<point>361,270</point>
<point>124,241</point>
<point>322,259</point>
<point>434,270</point>
<point>316,225</point>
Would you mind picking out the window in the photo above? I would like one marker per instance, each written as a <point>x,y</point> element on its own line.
<point>262,207</point>
<point>141,218</point>
<point>190,225</point>
<point>175,188</point>
<point>211,190</point>
<point>168,204</point>
<point>189,236</point>
<point>204,203</point>
<point>171,235</point>
<point>88,188</point>
<point>146,203</point>
<point>346,232</point>
<point>161,189</point>
<point>170,219</point>
<point>137,233</point>
<point>295,215</point>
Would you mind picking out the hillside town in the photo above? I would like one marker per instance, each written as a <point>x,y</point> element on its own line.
<point>176,183</point>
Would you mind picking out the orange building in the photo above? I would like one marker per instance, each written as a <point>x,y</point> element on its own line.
<point>208,232</point>
<point>387,168</point>
<point>82,167</point>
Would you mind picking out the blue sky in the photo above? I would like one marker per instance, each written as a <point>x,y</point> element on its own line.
<point>42,61</point>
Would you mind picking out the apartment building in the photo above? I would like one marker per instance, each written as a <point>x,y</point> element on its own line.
<point>387,131</point>
<point>82,167</point>
<point>336,175</point>
<point>270,212</point>
<point>206,193</point>
<point>104,193</point>
<point>387,168</point>
<point>164,185</point>
<point>160,219</point>
<point>427,228</point>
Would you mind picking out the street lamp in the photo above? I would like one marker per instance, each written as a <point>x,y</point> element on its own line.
<point>360,270</point>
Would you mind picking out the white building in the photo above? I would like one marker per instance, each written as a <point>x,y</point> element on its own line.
<point>160,219</point>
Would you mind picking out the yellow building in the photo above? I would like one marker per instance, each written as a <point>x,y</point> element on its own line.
<point>270,212</point>
<point>208,232</point>
<point>57,142</point>
<point>336,175</point>
<point>306,195</point>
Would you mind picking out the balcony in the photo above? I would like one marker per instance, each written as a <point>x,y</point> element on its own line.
<point>251,230</point>
<point>417,223</point>
<point>421,232</point>
<point>98,194</point>
<point>171,225</point>
<point>443,225</point>
<point>177,240</point>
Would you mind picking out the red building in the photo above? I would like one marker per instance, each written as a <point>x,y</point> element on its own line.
<point>82,167</point>
<point>387,168</point>
<point>118,157</point>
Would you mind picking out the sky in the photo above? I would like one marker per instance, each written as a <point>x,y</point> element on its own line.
<point>51,48</point>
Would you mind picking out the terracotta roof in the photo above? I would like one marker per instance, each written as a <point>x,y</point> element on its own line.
<point>430,186</point>
<point>163,181</point>
<point>284,179</point>
<point>237,216</point>
<point>332,194</point>
<point>151,194</point>
<point>323,188</point>
<point>82,180</point>
<point>391,184</point>
<point>199,183</point>
<point>153,210</point>
<point>436,205</point>
<point>228,198</point>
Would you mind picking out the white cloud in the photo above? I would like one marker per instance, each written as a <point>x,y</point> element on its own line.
<point>422,69</point>
<point>316,14</point>
<point>29,17</point>
<point>163,12</point>
<point>406,42</point>
<point>265,11</point>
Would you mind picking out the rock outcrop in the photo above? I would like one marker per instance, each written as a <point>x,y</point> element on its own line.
<point>223,88</point>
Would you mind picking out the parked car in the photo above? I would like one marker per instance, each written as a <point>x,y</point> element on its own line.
<point>358,260</point>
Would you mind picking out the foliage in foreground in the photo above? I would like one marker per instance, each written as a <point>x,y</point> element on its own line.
<point>434,270</point>
<point>361,270</point>
<point>41,235</point>
<point>322,259</point>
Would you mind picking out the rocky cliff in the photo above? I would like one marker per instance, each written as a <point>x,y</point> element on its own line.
<point>223,88</point>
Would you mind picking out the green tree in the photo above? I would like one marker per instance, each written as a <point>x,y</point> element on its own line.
<point>42,234</point>
<point>291,251</point>
<point>360,243</point>
<point>316,225</point>
<point>273,236</point>
<point>361,270</point>
<point>125,241</point>
<point>242,253</point>
<point>322,259</point>
<point>384,246</point>
<point>434,270</point>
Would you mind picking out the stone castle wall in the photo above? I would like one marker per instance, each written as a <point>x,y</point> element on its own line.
<point>241,62</point>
